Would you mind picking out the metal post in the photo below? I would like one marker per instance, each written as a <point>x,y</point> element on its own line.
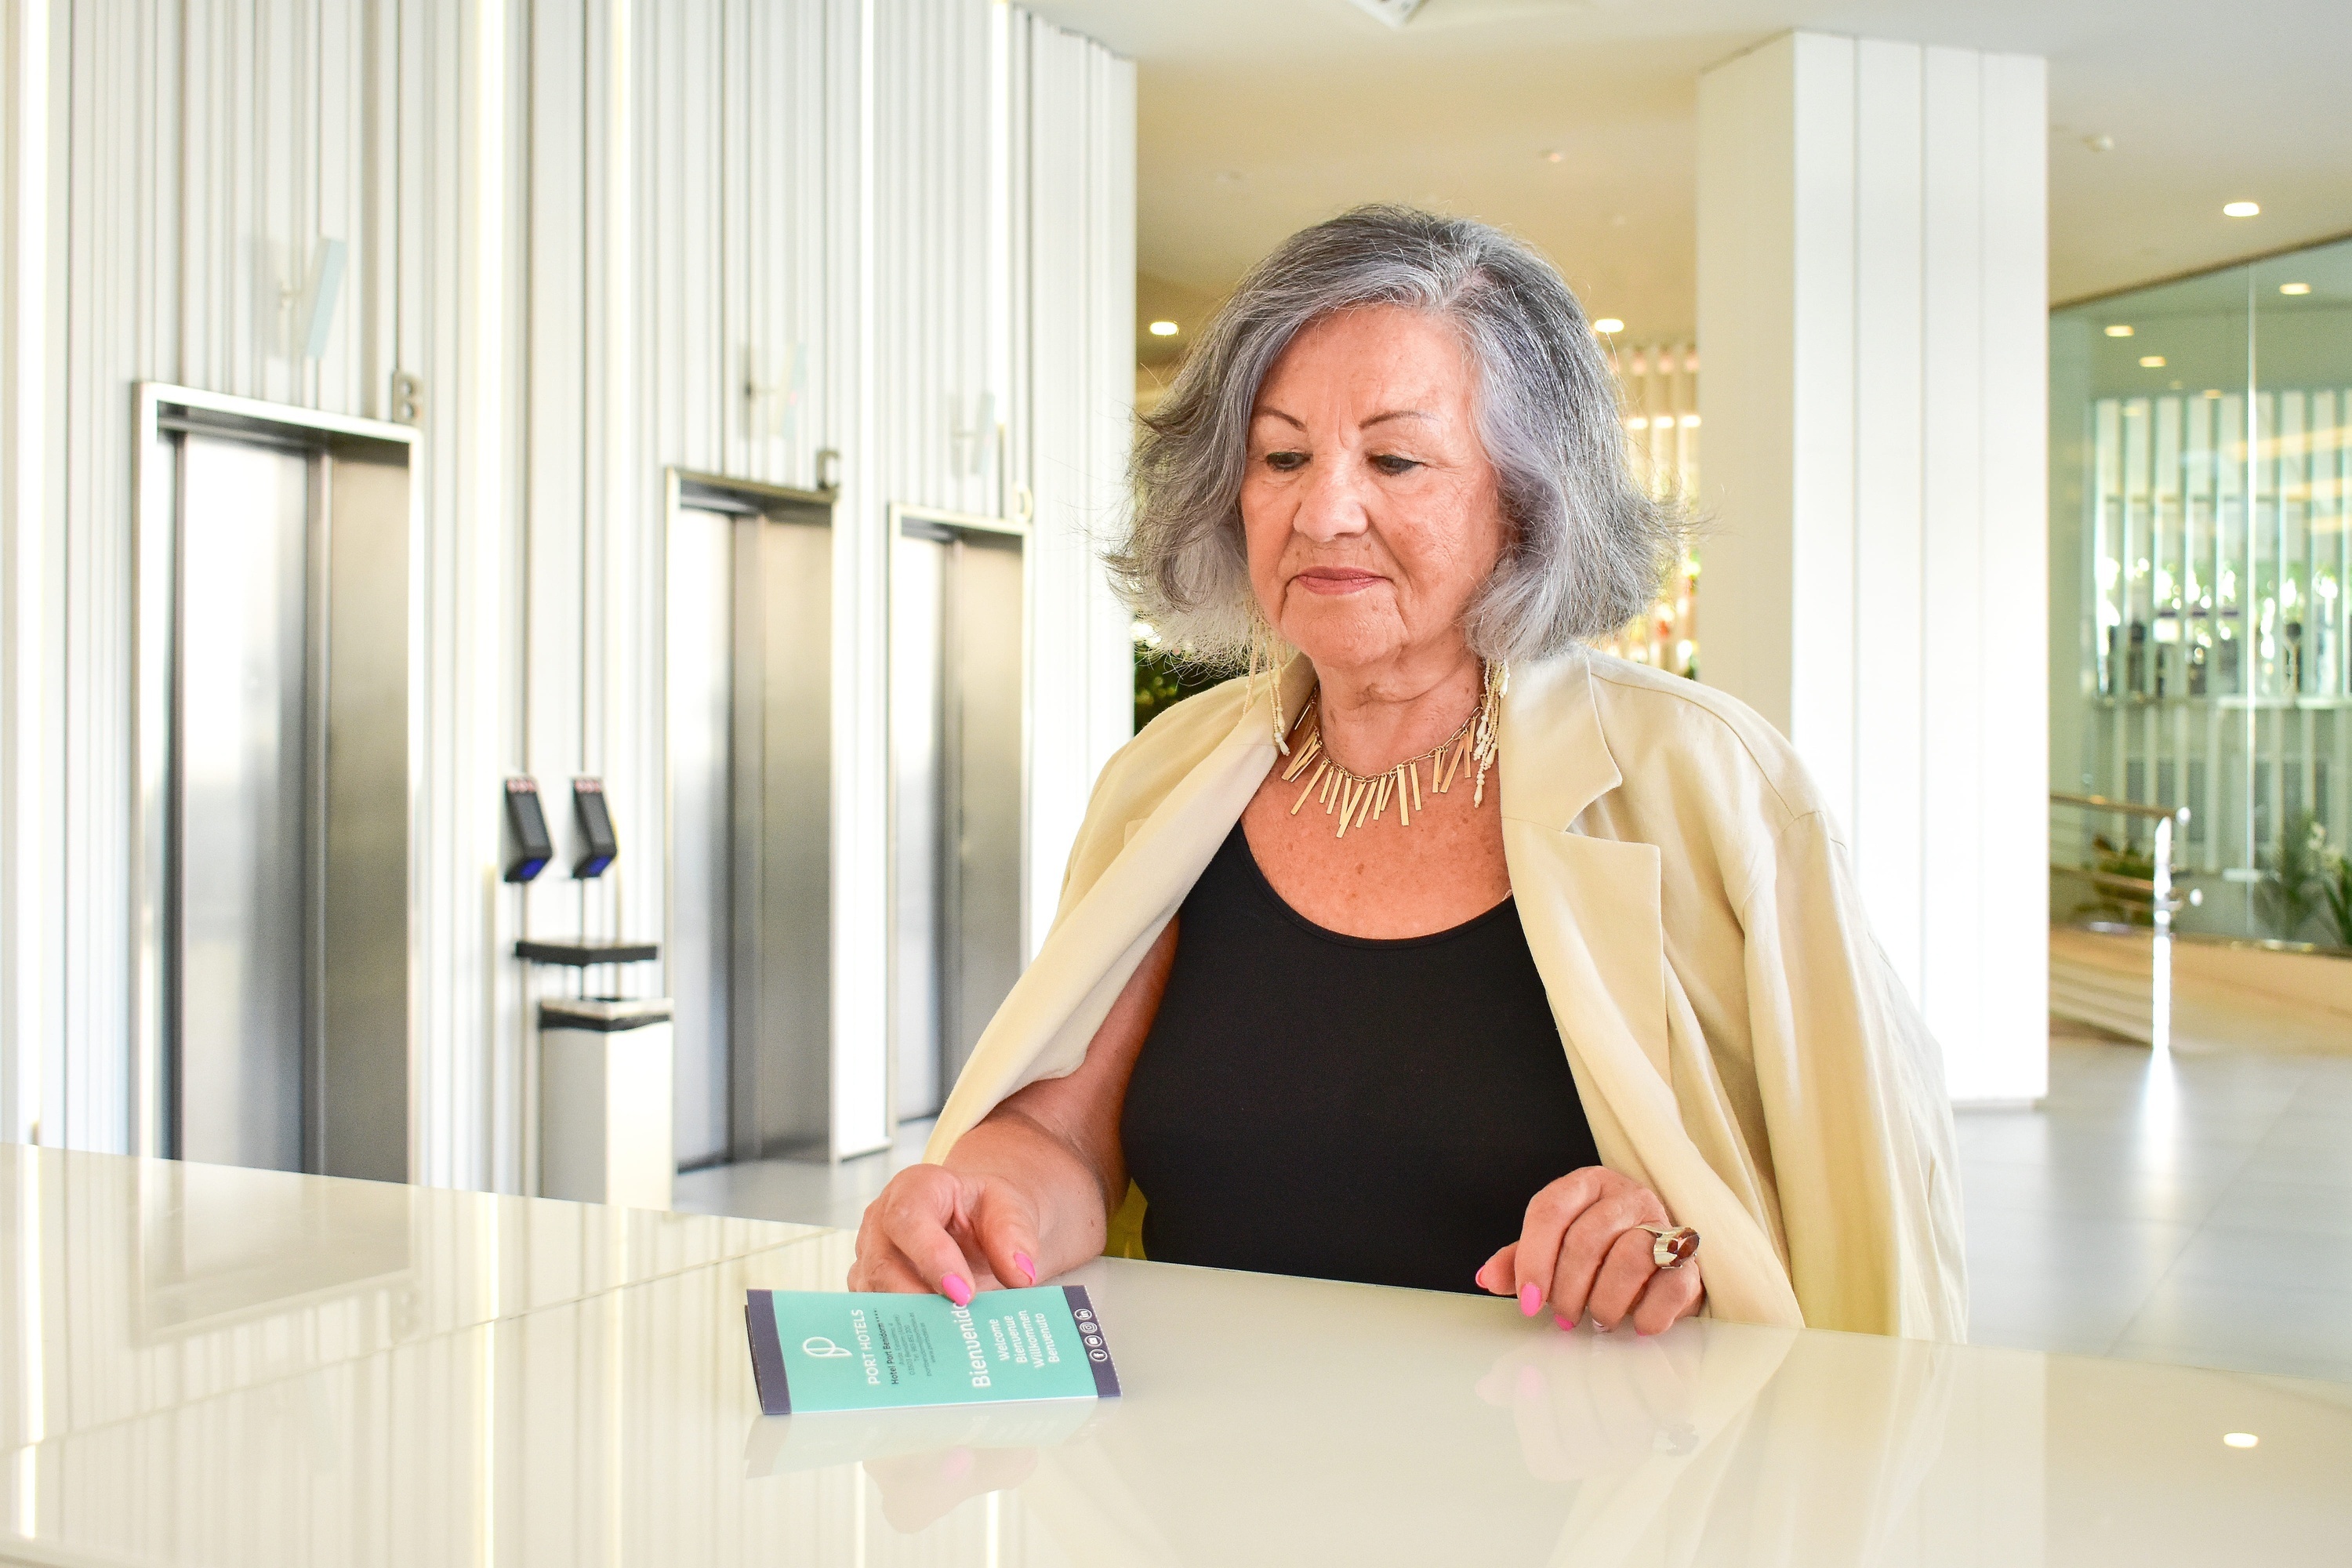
<point>2160,980</point>
<point>2169,823</point>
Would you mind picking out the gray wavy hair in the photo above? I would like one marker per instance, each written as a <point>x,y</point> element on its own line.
<point>1585,548</point>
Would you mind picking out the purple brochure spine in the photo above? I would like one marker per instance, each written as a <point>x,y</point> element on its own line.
<point>1090,1334</point>
<point>768,1354</point>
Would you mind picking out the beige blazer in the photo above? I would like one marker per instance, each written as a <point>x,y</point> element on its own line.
<point>1740,1045</point>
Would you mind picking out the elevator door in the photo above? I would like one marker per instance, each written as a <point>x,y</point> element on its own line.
<point>750,699</point>
<point>960,779</point>
<point>701,750</point>
<point>271,769</point>
<point>245,807</point>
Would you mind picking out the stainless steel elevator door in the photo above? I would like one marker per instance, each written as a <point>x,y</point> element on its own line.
<point>245,778</point>
<point>987,757</point>
<point>782,1027</point>
<point>701,697</point>
<point>750,699</point>
<point>959,759</point>
<point>917,752</point>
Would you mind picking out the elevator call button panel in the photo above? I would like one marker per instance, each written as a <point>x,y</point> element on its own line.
<point>597,842</point>
<point>529,847</point>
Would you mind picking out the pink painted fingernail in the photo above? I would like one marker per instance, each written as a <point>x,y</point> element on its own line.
<point>1027,1265</point>
<point>1480,1278</point>
<point>1562,1321</point>
<point>956,1288</point>
<point>1530,1299</point>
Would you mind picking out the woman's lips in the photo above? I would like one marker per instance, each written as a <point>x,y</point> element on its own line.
<point>1336,580</point>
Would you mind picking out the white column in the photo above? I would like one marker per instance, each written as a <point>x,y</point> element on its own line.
<point>29,811</point>
<point>1072,421</point>
<point>1873,313</point>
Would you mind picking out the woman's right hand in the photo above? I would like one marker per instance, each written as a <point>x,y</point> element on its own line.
<point>954,1232</point>
<point>1033,1186</point>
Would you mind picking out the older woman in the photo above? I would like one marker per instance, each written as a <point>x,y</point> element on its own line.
<point>1448,953</point>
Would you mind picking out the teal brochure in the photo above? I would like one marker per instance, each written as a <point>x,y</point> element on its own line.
<point>832,1350</point>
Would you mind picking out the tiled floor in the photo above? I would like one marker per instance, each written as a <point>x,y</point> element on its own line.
<point>2196,1212</point>
<point>2200,1213</point>
<point>796,1189</point>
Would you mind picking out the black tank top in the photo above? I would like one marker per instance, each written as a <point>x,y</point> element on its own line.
<point>1348,1108</point>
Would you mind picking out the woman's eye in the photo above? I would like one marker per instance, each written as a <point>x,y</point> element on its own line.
<point>1285,462</point>
<point>1392,466</point>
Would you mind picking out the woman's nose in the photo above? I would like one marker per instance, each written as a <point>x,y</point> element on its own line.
<point>1333,506</point>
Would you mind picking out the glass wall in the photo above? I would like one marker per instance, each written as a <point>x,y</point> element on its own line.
<point>1657,384</point>
<point>2200,566</point>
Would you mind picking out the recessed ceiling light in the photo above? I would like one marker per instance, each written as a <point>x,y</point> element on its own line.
<point>1555,156</point>
<point>2294,288</point>
<point>2212,392</point>
<point>2242,209</point>
<point>2101,143</point>
<point>2151,362</point>
<point>1690,421</point>
<point>1163,328</point>
<point>1609,325</point>
<point>2120,330</point>
<point>2240,1439</point>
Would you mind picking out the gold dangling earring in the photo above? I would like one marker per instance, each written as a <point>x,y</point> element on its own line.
<point>1265,653</point>
<point>1485,737</point>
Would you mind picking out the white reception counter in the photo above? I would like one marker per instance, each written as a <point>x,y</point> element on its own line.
<point>217,1366</point>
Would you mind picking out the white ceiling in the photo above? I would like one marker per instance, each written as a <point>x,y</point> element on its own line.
<point>1259,116</point>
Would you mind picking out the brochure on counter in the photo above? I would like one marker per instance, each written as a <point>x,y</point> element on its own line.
<point>841,1350</point>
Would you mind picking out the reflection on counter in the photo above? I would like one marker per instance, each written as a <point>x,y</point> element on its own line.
<point>138,1285</point>
<point>448,1378</point>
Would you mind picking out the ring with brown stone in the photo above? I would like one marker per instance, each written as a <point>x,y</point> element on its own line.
<point>1670,1245</point>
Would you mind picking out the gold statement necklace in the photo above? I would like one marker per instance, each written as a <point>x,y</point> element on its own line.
<point>1356,799</point>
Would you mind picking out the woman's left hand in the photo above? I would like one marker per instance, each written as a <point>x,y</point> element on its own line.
<point>1583,1253</point>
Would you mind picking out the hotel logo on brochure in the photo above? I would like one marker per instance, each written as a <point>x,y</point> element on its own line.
<point>871,1351</point>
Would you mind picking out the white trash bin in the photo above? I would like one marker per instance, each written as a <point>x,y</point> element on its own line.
<point>604,1093</point>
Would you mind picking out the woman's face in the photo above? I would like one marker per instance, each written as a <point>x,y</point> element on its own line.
<point>1371,512</point>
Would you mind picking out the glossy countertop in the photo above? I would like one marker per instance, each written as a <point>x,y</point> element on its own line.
<point>203,1365</point>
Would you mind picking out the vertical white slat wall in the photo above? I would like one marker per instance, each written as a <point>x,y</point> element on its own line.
<point>1872,308</point>
<point>610,237</point>
<point>31,578</point>
<point>1073,173</point>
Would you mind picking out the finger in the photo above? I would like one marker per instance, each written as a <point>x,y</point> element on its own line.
<point>916,1215</point>
<point>1550,1212</point>
<point>1587,1244</point>
<point>872,1247</point>
<point>892,1273</point>
<point>1671,1295</point>
<point>1626,1268</point>
<point>1498,1274</point>
<point>1004,1232</point>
